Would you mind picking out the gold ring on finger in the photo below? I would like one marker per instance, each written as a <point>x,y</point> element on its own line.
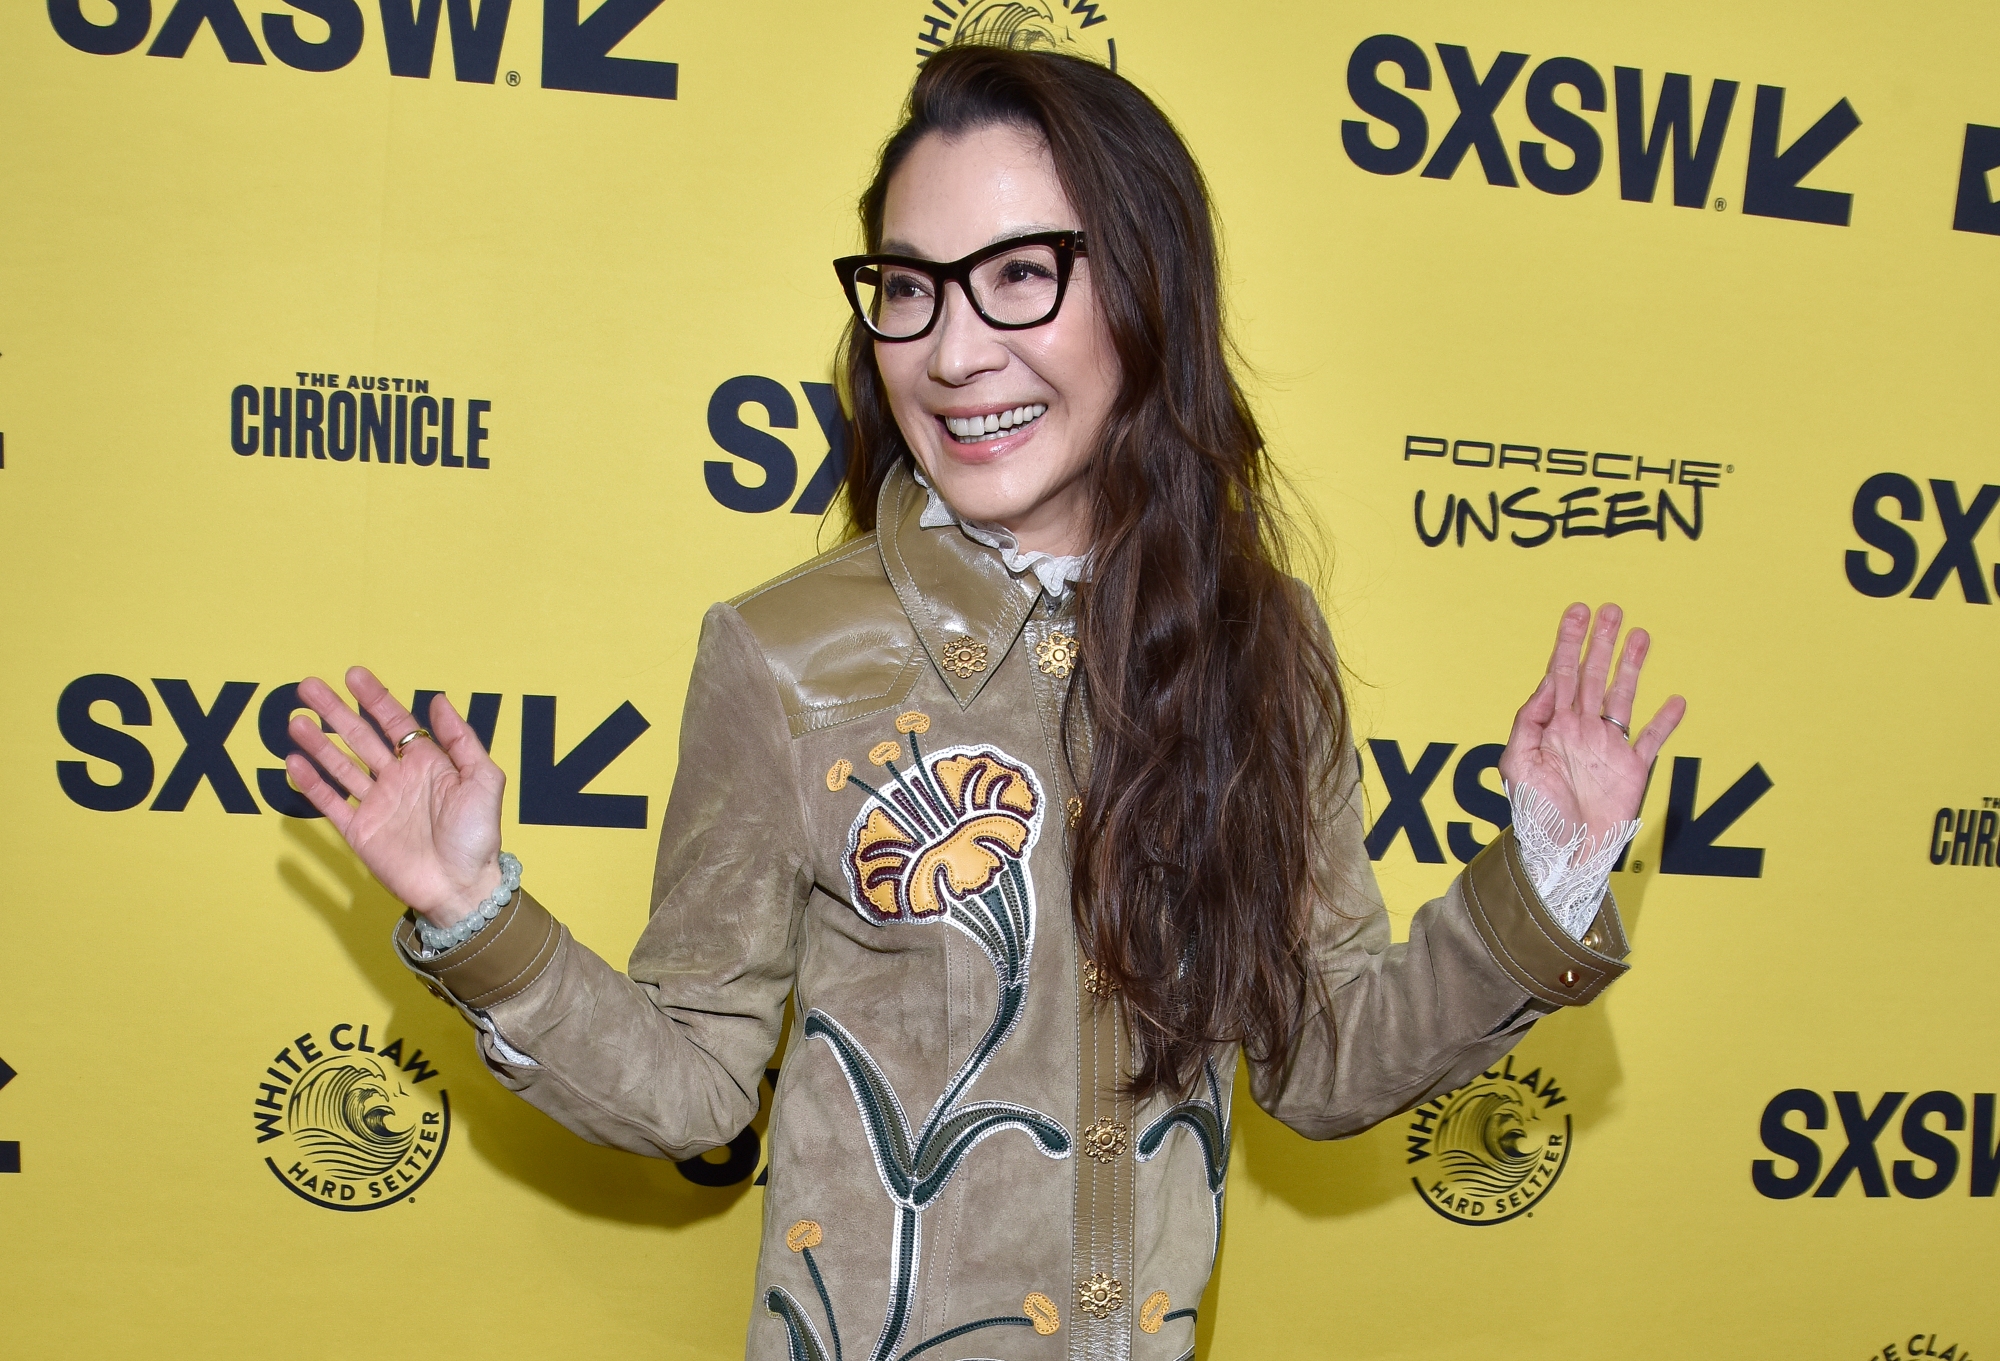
<point>415,733</point>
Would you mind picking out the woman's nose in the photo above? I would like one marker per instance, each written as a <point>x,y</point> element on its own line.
<point>963,346</point>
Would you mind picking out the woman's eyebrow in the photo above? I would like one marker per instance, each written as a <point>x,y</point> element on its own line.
<point>897,246</point>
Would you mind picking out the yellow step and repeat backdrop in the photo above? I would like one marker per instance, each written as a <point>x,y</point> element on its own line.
<point>488,343</point>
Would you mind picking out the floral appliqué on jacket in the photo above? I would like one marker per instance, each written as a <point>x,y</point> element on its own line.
<point>943,839</point>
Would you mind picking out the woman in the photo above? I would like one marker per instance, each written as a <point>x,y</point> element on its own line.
<point>1035,796</point>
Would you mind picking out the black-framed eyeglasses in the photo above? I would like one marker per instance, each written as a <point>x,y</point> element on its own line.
<point>1012,285</point>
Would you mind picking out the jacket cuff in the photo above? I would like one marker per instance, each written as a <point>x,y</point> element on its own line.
<point>1527,942</point>
<point>494,966</point>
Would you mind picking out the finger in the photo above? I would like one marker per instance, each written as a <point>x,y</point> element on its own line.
<point>1531,721</point>
<point>361,739</point>
<point>319,793</point>
<point>456,737</point>
<point>381,706</point>
<point>1655,734</point>
<point>1533,717</point>
<point>1597,657</point>
<point>387,711</point>
<point>1625,682</point>
<point>1563,661</point>
<point>317,695</point>
<point>335,762</point>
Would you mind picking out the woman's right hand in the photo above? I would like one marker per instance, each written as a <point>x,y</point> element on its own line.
<point>426,824</point>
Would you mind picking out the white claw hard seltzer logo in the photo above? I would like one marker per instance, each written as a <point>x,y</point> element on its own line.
<point>1080,27</point>
<point>349,1123</point>
<point>1491,1150</point>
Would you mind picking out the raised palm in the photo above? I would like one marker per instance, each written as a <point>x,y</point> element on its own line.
<point>426,818</point>
<point>1563,746</point>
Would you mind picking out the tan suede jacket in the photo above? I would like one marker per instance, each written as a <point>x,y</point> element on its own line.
<point>870,819</point>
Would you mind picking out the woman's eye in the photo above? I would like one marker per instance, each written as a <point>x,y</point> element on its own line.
<point>1025,271</point>
<point>904,286</point>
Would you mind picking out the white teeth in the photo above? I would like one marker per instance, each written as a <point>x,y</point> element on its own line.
<point>979,427</point>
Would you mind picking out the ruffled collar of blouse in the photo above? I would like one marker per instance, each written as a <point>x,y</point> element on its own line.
<point>1034,569</point>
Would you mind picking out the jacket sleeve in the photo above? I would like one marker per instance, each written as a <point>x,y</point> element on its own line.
<point>667,1058</point>
<point>1392,1025</point>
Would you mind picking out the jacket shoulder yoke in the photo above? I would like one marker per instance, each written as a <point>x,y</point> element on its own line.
<point>835,636</point>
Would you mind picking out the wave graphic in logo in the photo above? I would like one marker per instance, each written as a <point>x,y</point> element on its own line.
<point>1495,1146</point>
<point>353,1124</point>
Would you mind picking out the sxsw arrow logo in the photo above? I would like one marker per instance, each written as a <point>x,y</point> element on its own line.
<point>551,789</point>
<point>1771,185</point>
<point>576,50</point>
<point>1384,67</point>
<point>10,1149</point>
<point>1690,845</point>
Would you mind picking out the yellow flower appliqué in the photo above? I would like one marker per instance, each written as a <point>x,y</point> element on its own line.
<point>943,829</point>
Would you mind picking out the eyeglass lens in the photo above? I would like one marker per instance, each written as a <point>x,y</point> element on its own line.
<point>1018,287</point>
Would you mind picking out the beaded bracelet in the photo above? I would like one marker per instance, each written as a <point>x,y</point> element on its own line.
<point>438,939</point>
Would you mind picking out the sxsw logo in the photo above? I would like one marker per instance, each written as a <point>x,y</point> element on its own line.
<point>1691,843</point>
<point>1960,516</point>
<point>552,789</point>
<point>576,51</point>
<point>775,463</point>
<point>1801,1164</point>
<point>1554,97</point>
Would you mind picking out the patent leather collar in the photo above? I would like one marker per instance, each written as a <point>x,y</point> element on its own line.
<point>963,602</point>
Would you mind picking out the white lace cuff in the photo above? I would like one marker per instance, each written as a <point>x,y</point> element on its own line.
<point>505,1050</point>
<point>1569,870</point>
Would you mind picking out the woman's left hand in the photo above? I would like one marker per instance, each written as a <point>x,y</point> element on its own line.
<point>1564,746</point>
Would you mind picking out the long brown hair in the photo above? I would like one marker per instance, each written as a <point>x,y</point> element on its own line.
<point>1213,695</point>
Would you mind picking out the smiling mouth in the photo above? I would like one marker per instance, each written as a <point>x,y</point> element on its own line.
<point>979,429</point>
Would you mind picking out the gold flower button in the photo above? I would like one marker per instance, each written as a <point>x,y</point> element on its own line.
<point>1104,1141</point>
<point>1100,1296</point>
<point>1096,982</point>
<point>963,657</point>
<point>1056,655</point>
<point>1074,810</point>
<point>1154,1311</point>
<point>1041,1311</point>
<point>802,1235</point>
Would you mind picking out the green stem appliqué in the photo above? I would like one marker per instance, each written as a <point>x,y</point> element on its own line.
<point>1208,1121</point>
<point>948,841</point>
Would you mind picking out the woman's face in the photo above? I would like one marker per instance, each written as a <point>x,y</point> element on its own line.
<point>947,199</point>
